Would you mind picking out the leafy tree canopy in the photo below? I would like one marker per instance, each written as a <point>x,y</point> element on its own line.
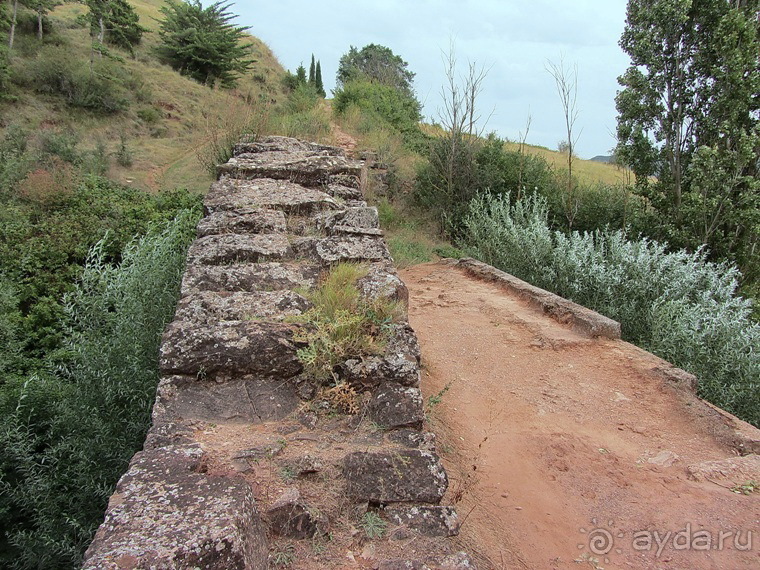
<point>202,42</point>
<point>377,64</point>
<point>689,120</point>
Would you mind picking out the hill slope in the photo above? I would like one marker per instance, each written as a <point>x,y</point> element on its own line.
<point>167,116</point>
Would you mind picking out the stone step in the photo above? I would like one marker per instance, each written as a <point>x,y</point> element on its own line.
<point>231,348</point>
<point>242,221</point>
<point>235,248</point>
<point>270,276</point>
<point>165,514</point>
<point>407,475</point>
<point>294,199</point>
<point>209,307</point>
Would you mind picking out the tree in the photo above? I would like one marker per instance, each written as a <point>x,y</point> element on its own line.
<point>202,42</point>
<point>114,22</point>
<point>318,84</point>
<point>301,75</point>
<point>13,21</point>
<point>375,63</point>
<point>688,119</point>
<point>312,71</point>
<point>566,80</point>
<point>41,8</point>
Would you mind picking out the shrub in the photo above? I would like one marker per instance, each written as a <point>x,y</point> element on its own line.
<point>675,304</point>
<point>99,87</point>
<point>68,434</point>
<point>342,324</point>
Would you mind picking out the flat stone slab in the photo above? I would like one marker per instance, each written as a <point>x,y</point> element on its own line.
<point>407,475</point>
<point>734,470</point>
<point>288,197</point>
<point>248,399</point>
<point>242,221</point>
<point>230,348</point>
<point>458,561</point>
<point>580,318</point>
<point>270,276</point>
<point>307,168</point>
<point>236,248</point>
<point>276,143</point>
<point>209,307</point>
<point>336,249</point>
<point>426,520</point>
<point>165,515</point>
<point>342,190</point>
<point>393,406</point>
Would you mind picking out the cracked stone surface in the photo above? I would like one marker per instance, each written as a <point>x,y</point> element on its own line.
<point>250,277</point>
<point>248,399</point>
<point>337,249</point>
<point>235,248</point>
<point>242,221</point>
<point>408,475</point>
<point>426,520</point>
<point>166,515</point>
<point>294,199</point>
<point>208,307</point>
<point>229,348</point>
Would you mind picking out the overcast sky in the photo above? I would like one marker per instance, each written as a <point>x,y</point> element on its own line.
<point>514,39</point>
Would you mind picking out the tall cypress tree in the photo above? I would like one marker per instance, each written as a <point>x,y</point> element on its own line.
<point>318,85</point>
<point>312,71</point>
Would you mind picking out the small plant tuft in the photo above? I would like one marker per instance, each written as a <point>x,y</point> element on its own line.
<point>372,525</point>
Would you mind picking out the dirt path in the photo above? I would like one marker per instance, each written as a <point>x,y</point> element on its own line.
<point>568,452</point>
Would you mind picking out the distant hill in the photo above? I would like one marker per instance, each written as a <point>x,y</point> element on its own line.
<point>167,116</point>
<point>607,159</point>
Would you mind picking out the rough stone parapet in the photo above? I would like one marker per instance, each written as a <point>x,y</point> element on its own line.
<point>578,317</point>
<point>247,454</point>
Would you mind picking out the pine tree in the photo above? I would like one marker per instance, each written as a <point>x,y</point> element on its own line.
<point>301,74</point>
<point>312,71</point>
<point>318,85</point>
<point>114,22</point>
<point>202,42</point>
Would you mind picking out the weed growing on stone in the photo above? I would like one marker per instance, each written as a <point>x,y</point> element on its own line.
<point>746,488</point>
<point>372,525</point>
<point>283,557</point>
<point>342,324</point>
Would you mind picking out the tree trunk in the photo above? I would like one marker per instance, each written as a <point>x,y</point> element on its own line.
<point>12,32</point>
<point>39,26</point>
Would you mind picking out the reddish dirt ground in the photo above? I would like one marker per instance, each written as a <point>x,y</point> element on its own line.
<point>559,447</point>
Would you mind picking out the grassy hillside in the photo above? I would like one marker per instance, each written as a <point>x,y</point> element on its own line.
<point>168,116</point>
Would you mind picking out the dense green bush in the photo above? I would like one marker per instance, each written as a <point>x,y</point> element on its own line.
<point>387,104</point>
<point>101,86</point>
<point>676,304</point>
<point>68,432</point>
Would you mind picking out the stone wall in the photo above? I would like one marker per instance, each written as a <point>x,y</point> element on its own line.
<point>248,464</point>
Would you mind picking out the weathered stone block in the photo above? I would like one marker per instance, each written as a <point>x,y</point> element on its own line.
<point>243,221</point>
<point>235,248</point>
<point>307,168</point>
<point>407,475</point>
<point>289,516</point>
<point>426,520</point>
<point>413,438</point>
<point>337,249</point>
<point>250,277</point>
<point>275,143</point>
<point>164,515</point>
<point>343,191</point>
<point>249,399</point>
<point>382,282</point>
<point>230,348</point>
<point>458,561</point>
<point>394,406</point>
<point>211,307</point>
<point>293,199</point>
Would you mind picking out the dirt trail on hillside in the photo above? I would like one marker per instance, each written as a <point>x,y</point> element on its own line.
<point>565,451</point>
